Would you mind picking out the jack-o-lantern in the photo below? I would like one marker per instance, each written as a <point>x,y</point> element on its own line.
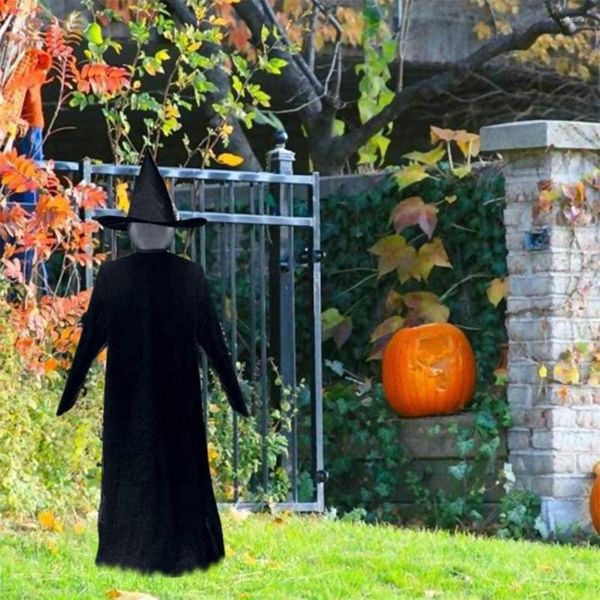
<point>595,499</point>
<point>428,370</point>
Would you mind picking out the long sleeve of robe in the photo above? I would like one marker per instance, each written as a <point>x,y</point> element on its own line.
<point>153,311</point>
<point>212,339</point>
<point>92,340</point>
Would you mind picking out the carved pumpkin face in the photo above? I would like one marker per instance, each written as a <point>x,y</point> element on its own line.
<point>595,499</point>
<point>428,370</point>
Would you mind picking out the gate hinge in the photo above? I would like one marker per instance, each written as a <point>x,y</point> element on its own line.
<point>322,476</point>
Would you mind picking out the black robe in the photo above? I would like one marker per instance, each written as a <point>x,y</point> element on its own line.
<point>152,310</point>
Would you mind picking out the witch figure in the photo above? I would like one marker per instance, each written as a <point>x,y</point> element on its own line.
<point>153,312</point>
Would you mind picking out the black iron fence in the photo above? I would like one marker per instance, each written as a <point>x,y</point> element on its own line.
<point>261,247</point>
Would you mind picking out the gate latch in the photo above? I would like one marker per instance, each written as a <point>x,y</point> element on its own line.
<point>309,255</point>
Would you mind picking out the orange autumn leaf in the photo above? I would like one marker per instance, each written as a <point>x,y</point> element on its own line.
<point>432,254</point>
<point>394,252</point>
<point>413,211</point>
<point>7,7</point>
<point>239,35</point>
<point>437,134</point>
<point>468,143</point>
<point>88,195</point>
<point>425,307</point>
<point>20,173</point>
<point>52,211</point>
<point>100,78</point>
<point>50,365</point>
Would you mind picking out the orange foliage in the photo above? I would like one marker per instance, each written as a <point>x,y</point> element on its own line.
<point>48,331</point>
<point>7,7</point>
<point>19,173</point>
<point>89,195</point>
<point>38,63</point>
<point>47,326</point>
<point>101,78</point>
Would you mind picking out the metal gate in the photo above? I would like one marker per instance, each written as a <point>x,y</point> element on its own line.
<point>263,229</point>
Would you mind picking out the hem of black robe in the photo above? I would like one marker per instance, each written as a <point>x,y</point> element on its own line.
<point>152,570</point>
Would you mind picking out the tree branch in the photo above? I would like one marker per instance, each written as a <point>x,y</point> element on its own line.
<point>308,93</point>
<point>437,84</point>
<point>238,142</point>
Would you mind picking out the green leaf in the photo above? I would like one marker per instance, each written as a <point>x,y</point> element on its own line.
<point>459,471</point>
<point>274,65</point>
<point>93,34</point>
<point>264,33</point>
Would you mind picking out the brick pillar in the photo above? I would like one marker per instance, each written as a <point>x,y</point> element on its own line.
<point>555,437</point>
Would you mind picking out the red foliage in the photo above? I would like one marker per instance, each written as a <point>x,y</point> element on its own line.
<point>56,44</point>
<point>88,195</point>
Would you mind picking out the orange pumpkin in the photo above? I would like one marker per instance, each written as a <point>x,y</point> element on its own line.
<point>595,499</point>
<point>428,370</point>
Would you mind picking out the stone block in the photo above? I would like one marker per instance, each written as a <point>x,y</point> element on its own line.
<point>565,514</point>
<point>519,394</point>
<point>586,462</point>
<point>588,418</point>
<point>580,395</point>
<point>420,444</point>
<point>518,438</point>
<point>542,463</point>
<point>542,439</point>
<point>526,135</point>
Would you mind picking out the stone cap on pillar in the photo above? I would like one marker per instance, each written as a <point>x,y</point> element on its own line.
<point>568,135</point>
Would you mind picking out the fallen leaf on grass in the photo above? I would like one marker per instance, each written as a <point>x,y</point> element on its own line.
<point>48,521</point>
<point>122,595</point>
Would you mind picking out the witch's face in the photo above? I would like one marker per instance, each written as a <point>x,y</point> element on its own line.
<point>148,236</point>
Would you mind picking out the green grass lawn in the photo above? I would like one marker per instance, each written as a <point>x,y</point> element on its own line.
<point>303,556</point>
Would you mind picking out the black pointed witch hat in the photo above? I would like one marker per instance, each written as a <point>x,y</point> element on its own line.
<point>151,202</point>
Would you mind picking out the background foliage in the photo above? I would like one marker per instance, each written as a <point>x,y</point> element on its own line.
<point>473,236</point>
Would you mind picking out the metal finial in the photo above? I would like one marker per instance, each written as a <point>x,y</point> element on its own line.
<point>280,137</point>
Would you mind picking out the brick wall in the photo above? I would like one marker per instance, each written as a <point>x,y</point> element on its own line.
<point>555,438</point>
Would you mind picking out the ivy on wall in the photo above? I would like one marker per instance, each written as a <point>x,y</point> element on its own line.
<point>450,261</point>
